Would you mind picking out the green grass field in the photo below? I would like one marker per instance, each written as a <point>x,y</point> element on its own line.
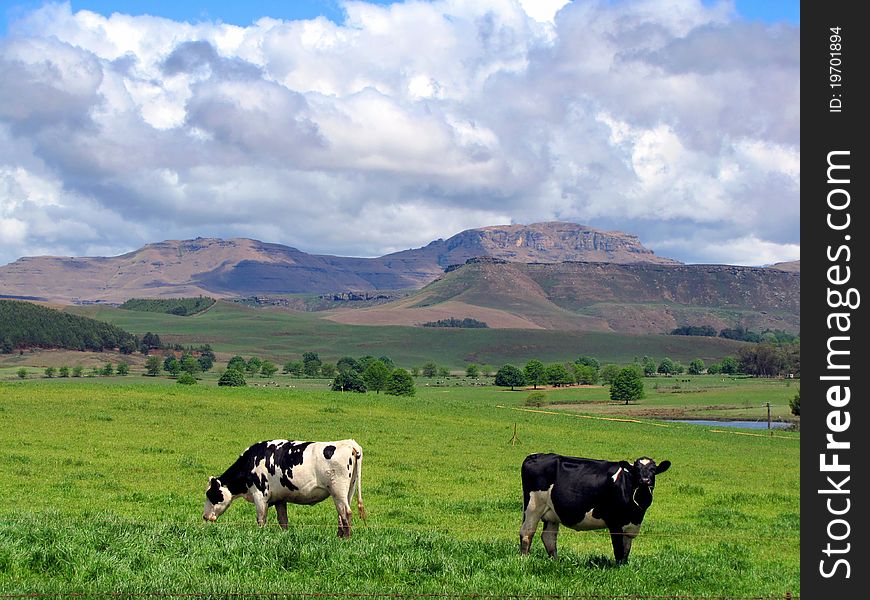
<point>281,335</point>
<point>103,485</point>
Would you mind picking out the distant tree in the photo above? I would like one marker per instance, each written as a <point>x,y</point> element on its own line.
<point>294,368</point>
<point>589,361</point>
<point>327,370</point>
<point>472,371</point>
<point>152,365</point>
<point>78,369</point>
<point>346,363</point>
<point>108,370</point>
<point>415,371</point>
<point>63,371</point>
<point>187,378</point>
<point>150,341</point>
<point>714,369</point>
<point>268,368</point>
<point>795,404</point>
<point>252,367</point>
<point>667,367</point>
<point>679,368</point>
<point>649,366</point>
<point>363,362</point>
<point>311,364</point>
<point>22,373</point>
<point>696,367</point>
<point>627,386</point>
<point>237,363</point>
<point>376,376</point>
<point>232,378</point>
<point>49,372</point>
<point>387,361</point>
<point>189,364</point>
<point>760,360</point>
<point>557,375</point>
<point>608,373</point>
<point>400,383</point>
<point>585,374</point>
<point>206,362</point>
<point>348,381</point>
<point>729,365</point>
<point>487,370</point>
<point>535,373</point>
<point>123,369</point>
<point>429,369</point>
<point>172,365</point>
<point>443,372</point>
<point>510,376</point>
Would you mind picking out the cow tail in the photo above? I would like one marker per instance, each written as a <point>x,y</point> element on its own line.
<point>359,503</point>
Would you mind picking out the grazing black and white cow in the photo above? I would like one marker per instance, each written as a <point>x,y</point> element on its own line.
<point>280,471</point>
<point>583,493</point>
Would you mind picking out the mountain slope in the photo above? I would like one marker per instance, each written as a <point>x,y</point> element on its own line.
<point>244,267</point>
<point>631,298</point>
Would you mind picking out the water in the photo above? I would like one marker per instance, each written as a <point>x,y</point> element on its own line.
<point>744,424</point>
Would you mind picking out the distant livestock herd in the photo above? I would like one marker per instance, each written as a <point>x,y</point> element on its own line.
<point>580,493</point>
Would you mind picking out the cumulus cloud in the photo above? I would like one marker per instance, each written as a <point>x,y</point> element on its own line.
<point>673,120</point>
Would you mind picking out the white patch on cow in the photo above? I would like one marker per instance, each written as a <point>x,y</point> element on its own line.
<point>589,522</point>
<point>644,461</point>
<point>631,530</point>
<point>617,474</point>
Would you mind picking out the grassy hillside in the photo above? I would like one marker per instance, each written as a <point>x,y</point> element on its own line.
<point>634,298</point>
<point>281,335</point>
<point>29,325</point>
<point>121,511</point>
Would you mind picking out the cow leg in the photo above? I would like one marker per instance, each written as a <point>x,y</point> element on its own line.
<point>262,506</point>
<point>548,536</point>
<point>281,509</point>
<point>532,514</point>
<point>345,516</point>
<point>621,546</point>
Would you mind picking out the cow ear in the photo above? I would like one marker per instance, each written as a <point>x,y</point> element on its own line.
<point>625,464</point>
<point>663,466</point>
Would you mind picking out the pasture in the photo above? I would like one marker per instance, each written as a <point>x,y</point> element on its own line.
<point>103,485</point>
<point>282,335</point>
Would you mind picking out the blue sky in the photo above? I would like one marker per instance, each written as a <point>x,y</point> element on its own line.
<point>246,12</point>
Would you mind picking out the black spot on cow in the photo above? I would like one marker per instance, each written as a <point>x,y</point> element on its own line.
<point>328,451</point>
<point>214,493</point>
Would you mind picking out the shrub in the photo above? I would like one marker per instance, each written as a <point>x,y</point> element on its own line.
<point>49,372</point>
<point>232,378</point>
<point>536,399</point>
<point>22,373</point>
<point>188,379</point>
<point>795,404</point>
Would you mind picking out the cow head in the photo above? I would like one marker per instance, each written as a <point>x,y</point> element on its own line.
<point>217,499</point>
<point>643,479</point>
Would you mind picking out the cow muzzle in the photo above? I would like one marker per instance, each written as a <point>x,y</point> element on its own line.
<point>209,517</point>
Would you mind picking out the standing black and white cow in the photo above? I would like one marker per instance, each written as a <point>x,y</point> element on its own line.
<point>583,493</point>
<point>280,471</point>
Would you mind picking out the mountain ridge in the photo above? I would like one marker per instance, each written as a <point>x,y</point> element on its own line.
<point>226,268</point>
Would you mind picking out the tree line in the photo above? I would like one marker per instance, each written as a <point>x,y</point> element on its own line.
<point>28,325</point>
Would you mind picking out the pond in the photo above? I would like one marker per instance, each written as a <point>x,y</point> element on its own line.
<point>744,424</point>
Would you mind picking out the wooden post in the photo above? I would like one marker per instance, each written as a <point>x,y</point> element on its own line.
<point>515,439</point>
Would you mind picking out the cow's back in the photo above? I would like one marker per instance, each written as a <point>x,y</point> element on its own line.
<point>576,485</point>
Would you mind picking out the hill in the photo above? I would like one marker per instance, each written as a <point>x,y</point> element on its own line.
<point>28,325</point>
<point>243,267</point>
<point>586,296</point>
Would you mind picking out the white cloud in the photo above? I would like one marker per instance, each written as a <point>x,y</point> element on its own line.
<point>408,122</point>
